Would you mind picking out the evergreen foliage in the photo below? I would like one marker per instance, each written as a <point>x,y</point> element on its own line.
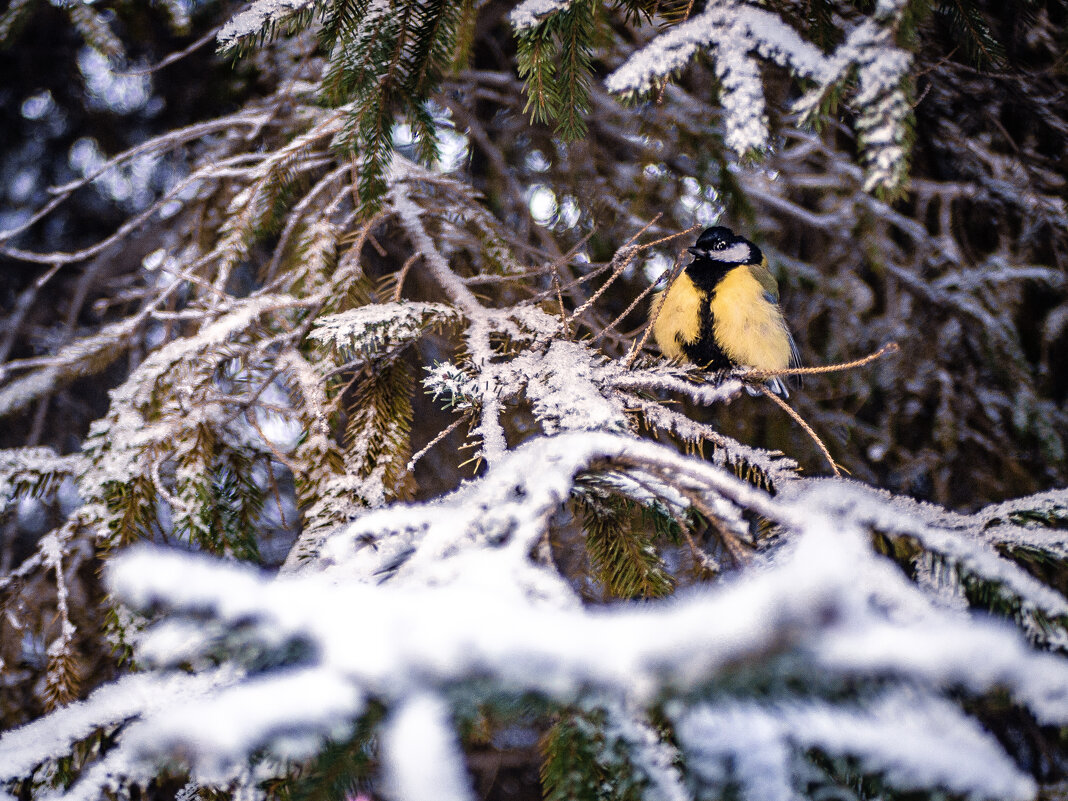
<point>585,759</point>
<point>418,409</point>
<point>621,549</point>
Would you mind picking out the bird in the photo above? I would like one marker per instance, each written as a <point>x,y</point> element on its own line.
<point>723,310</point>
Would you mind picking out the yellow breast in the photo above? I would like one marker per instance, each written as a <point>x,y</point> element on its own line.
<point>680,319</point>
<point>749,328</point>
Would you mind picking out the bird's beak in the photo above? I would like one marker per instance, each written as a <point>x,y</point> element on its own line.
<point>697,252</point>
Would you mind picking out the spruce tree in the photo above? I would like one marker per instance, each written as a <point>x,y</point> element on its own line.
<point>390,490</point>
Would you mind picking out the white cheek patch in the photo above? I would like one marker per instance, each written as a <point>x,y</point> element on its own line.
<point>735,254</point>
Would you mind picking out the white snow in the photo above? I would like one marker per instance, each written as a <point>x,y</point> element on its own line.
<point>737,35</point>
<point>379,325</point>
<point>913,739</point>
<point>409,601</point>
<point>259,16</point>
<point>421,756</point>
<point>293,711</point>
<point>141,694</point>
<point>530,13</point>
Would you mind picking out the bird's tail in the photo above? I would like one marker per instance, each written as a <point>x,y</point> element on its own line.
<point>776,385</point>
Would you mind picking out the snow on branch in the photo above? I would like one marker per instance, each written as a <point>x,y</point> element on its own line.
<point>257,711</point>
<point>1030,522</point>
<point>380,326</point>
<point>72,361</point>
<point>738,35</point>
<point>957,538</point>
<point>737,32</point>
<point>422,755</point>
<point>562,385</point>
<point>530,13</point>
<point>141,694</point>
<point>35,471</point>
<point>447,594</point>
<point>261,19</point>
<point>907,737</point>
<point>117,439</point>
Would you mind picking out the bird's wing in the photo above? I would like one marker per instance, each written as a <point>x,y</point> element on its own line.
<point>764,277</point>
<point>795,354</point>
<point>771,293</point>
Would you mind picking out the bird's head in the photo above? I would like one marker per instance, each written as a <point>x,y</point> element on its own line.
<point>722,245</point>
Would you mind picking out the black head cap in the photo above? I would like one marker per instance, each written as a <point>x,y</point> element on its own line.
<point>721,244</point>
<point>717,235</point>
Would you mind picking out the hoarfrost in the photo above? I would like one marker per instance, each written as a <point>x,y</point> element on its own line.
<point>380,325</point>
<point>737,34</point>
<point>913,739</point>
<point>531,12</point>
<point>260,16</point>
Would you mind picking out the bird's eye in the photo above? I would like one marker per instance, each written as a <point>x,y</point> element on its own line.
<point>719,246</point>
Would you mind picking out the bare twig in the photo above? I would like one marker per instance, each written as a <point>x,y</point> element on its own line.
<point>762,375</point>
<point>563,310</point>
<point>160,144</point>
<point>667,238</point>
<point>426,448</point>
<point>403,273</point>
<point>801,422</point>
<point>624,256</point>
<point>642,296</point>
<point>672,275</point>
<point>173,57</point>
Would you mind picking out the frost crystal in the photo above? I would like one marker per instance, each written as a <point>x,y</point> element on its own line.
<point>380,325</point>
<point>530,12</point>
<point>261,16</point>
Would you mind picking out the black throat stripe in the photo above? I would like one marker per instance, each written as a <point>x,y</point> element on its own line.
<point>703,351</point>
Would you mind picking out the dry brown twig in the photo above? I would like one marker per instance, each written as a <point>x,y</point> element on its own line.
<point>624,256</point>
<point>645,292</point>
<point>763,375</point>
<point>440,436</point>
<point>797,418</point>
<point>671,276</point>
<point>757,377</point>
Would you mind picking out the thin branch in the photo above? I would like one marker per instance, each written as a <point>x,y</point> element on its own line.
<point>667,238</point>
<point>762,375</point>
<point>564,322</point>
<point>425,449</point>
<point>801,422</point>
<point>624,256</point>
<point>672,275</point>
<point>642,296</point>
<point>403,273</point>
<point>162,144</point>
<point>173,57</point>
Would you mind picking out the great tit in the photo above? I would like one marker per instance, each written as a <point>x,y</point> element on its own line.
<point>723,310</point>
